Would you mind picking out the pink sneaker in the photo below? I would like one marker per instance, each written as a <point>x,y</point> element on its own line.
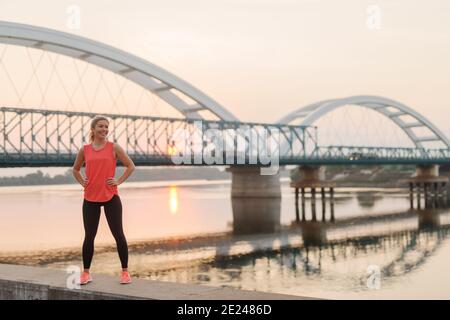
<point>125,277</point>
<point>85,278</point>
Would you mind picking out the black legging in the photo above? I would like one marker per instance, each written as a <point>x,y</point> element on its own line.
<point>91,218</point>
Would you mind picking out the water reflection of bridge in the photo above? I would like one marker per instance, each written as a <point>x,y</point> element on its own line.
<point>423,241</point>
<point>257,215</point>
<point>399,242</point>
<point>397,252</point>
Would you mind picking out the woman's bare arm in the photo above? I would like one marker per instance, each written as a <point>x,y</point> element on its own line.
<point>126,161</point>
<point>77,167</point>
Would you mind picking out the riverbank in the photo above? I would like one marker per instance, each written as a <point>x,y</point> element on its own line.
<point>360,176</point>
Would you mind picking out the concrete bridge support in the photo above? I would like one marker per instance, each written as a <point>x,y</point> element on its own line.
<point>312,178</point>
<point>247,182</point>
<point>428,185</point>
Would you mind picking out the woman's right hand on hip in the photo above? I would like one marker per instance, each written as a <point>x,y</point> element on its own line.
<point>85,182</point>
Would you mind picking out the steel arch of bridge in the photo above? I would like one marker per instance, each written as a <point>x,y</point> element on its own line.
<point>310,113</point>
<point>147,75</point>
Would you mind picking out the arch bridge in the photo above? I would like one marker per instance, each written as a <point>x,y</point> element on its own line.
<point>41,137</point>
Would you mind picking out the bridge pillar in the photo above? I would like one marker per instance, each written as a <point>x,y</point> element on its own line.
<point>427,171</point>
<point>428,182</point>
<point>247,182</point>
<point>312,178</point>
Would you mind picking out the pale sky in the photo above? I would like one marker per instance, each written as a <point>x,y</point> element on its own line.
<point>264,58</point>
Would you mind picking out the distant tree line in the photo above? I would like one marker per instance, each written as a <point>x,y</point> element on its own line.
<point>385,173</point>
<point>39,178</point>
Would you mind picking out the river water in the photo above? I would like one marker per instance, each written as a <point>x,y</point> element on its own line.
<point>193,232</point>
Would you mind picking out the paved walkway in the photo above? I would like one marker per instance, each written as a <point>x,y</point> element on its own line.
<point>26,282</point>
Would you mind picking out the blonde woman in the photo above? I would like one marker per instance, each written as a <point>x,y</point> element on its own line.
<point>100,189</point>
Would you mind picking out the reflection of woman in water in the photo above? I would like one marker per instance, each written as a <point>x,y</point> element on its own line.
<point>100,189</point>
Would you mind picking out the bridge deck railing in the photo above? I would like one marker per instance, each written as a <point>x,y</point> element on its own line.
<point>37,137</point>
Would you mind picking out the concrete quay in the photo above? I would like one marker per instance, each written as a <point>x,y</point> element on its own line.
<point>19,282</point>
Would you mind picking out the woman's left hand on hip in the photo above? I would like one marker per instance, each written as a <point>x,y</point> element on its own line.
<point>112,182</point>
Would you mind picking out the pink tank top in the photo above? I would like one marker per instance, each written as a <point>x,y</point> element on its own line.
<point>100,165</point>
